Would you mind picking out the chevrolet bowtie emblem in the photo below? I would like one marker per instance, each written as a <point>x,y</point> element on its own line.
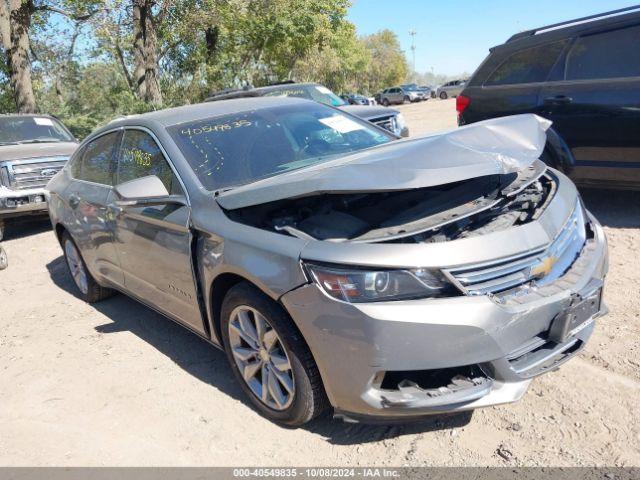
<point>543,268</point>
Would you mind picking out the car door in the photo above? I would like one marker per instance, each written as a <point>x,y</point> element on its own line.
<point>154,241</point>
<point>513,87</point>
<point>596,106</point>
<point>87,197</point>
<point>398,95</point>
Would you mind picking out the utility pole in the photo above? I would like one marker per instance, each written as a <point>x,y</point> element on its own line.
<point>413,33</point>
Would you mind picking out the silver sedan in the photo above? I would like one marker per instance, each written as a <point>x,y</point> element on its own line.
<point>337,265</point>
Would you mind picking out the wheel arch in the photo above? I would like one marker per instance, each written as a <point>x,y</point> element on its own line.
<point>219,288</point>
<point>557,153</point>
<point>59,229</point>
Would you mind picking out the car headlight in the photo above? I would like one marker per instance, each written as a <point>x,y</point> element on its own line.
<point>401,124</point>
<point>355,285</point>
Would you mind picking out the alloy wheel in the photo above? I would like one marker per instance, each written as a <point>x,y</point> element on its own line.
<point>261,358</point>
<point>76,267</point>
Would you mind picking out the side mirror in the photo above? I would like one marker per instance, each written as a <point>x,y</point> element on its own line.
<point>146,191</point>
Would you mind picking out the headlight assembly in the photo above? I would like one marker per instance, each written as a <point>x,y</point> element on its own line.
<point>354,285</point>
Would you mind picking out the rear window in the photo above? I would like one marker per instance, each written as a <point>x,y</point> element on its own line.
<point>313,92</point>
<point>527,66</point>
<point>611,54</point>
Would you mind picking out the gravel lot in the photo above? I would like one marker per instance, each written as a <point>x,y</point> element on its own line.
<point>117,384</point>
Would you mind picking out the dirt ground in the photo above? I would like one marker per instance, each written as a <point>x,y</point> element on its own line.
<point>117,384</point>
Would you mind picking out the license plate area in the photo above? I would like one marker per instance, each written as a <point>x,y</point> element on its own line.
<point>577,316</point>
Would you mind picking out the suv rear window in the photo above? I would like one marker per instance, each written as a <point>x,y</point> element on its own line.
<point>527,66</point>
<point>611,54</point>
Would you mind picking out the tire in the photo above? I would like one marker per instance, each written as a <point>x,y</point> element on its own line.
<point>90,291</point>
<point>385,102</point>
<point>443,95</point>
<point>305,398</point>
<point>4,261</point>
<point>406,99</point>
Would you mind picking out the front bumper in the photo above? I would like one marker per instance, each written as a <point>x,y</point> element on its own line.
<point>505,338</point>
<point>18,202</point>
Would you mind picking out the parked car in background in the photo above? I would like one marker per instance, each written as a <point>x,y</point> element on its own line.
<point>33,148</point>
<point>450,89</point>
<point>582,74</point>
<point>356,99</point>
<point>401,94</point>
<point>391,120</point>
<point>335,265</point>
<point>427,90</point>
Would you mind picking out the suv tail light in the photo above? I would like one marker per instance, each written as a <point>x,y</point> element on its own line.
<point>462,102</point>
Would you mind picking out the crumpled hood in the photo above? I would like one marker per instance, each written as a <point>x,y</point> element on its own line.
<point>498,146</point>
<point>368,111</point>
<point>36,150</point>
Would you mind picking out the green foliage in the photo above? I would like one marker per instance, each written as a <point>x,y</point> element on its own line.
<point>203,45</point>
<point>389,65</point>
<point>7,103</point>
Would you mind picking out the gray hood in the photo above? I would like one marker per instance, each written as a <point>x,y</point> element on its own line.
<point>36,150</point>
<point>497,146</point>
<point>368,111</point>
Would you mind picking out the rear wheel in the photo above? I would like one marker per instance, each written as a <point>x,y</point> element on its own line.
<point>269,358</point>
<point>4,261</point>
<point>89,289</point>
<point>443,95</point>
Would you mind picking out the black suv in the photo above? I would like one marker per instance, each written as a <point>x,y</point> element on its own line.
<point>584,75</point>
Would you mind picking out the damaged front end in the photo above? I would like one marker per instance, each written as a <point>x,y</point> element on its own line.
<point>439,213</point>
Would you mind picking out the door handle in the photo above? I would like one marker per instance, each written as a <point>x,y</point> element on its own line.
<point>74,200</point>
<point>558,100</point>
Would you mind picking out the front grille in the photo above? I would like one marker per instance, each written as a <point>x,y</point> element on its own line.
<point>33,173</point>
<point>387,122</point>
<point>542,266</point>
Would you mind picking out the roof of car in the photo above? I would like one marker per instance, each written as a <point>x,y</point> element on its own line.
<point>253,91</point>
<point>200,111</point>
<point>27,115</point>
<point>570,28</point>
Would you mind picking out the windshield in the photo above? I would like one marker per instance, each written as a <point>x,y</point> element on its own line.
<point>317,93</point>
<point>410,87</point>
<point>237,149</point>
<point>27,129</point>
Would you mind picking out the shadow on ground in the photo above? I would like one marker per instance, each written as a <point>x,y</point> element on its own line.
<point>19,228</point>
<point>208,364</point>
<point>614,208</point>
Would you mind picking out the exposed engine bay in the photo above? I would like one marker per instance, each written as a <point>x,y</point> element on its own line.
<point>467,208</point>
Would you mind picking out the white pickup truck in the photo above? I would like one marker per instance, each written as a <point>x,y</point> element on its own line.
<point>33,148</point>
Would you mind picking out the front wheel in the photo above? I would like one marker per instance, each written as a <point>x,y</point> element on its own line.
<point>4,260</point>
<point>269,358</point>
<point>443,95</point>
<point>406,99</point>
<point>385,102</point>
<point>90,290</point>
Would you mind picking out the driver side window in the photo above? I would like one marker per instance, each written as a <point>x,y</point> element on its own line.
<point>140,156</point>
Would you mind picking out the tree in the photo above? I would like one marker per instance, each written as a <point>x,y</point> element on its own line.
<point>16,20</point>
<point>389,64</point>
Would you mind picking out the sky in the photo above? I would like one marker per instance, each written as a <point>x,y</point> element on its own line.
<point>454,36</point>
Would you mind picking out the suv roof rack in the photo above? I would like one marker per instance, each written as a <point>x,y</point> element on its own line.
<point>529,33</point>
